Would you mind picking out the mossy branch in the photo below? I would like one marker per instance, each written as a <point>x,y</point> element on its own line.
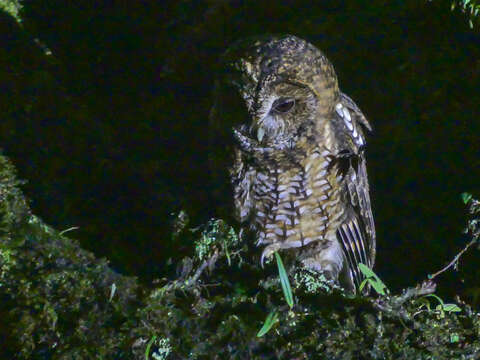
<point>59,301</point>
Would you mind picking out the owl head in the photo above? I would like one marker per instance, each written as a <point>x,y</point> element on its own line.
<point>279,85</point>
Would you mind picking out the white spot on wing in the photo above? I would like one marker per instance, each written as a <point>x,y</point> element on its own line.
<point>338,109</point>
<point>349,126</point>
<point>346,115</point>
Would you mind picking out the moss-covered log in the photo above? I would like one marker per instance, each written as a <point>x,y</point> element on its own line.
<point>60,302</point>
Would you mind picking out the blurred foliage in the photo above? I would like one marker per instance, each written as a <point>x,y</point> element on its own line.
<point>59,301</point>
<point>12,7</point>
<point>470,7</point>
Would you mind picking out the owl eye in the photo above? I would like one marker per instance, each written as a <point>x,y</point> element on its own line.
<point>283,106</point>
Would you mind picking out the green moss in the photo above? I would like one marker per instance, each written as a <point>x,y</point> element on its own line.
<point>60,302</point>
<point>55,295</point>
<point>312,281</point>
<point>217,236</point>
<point>163,349</point>
<point>6,262</point>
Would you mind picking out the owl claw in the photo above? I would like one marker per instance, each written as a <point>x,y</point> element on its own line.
<point>268,252</point>
<point>262,259</point>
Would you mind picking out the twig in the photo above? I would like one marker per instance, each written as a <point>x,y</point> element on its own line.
<point>394,306</point>
<point>454,261</point>
<point>426,288</point>
<point>69,229</point>
<point>189,282</point>
<point>472,229</point>
<point>199,272</point>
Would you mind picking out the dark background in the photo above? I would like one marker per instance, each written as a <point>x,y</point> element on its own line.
<point>111,130</point>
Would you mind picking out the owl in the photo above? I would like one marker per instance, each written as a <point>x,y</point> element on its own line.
<point>293,149</point>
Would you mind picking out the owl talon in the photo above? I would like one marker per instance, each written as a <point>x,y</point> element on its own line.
<point>262,259</point>
<point>268,252</point>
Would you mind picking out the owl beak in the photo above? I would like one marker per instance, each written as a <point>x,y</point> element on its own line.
<point>262,126</point>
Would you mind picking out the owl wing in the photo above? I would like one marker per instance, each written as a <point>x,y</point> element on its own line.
<point>357,232</point>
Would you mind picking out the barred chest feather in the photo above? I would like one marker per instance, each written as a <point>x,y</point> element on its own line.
<point>293,207</point>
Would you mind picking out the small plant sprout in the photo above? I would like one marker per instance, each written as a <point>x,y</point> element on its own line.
<point>113,289</point>
<point>149,345</point>
<point>443,308</point>
<point>271,319</point>
<point>372,279</point>
<point>287,289</point>
<point>466,197</point>
<point>472,228</point>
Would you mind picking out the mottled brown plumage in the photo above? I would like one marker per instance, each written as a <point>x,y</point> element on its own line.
<point>294,144</point>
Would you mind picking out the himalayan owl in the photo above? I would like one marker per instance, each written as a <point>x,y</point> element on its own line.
<point>293,147</point>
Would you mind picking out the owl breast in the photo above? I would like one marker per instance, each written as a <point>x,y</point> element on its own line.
<point>294,206</point>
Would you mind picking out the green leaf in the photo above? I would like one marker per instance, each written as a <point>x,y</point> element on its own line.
<point>451,308</point>
<point>287,290</point>
<point>149,345</point>
<point>373,279</point>
<point>466,197</point>
<point>271,319</point>
<point>113,289</point>
<point>366,271</point>
<point>225,247</point>
<point>362,285</point>
<point>379,286</point>
<point>454,338</point>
